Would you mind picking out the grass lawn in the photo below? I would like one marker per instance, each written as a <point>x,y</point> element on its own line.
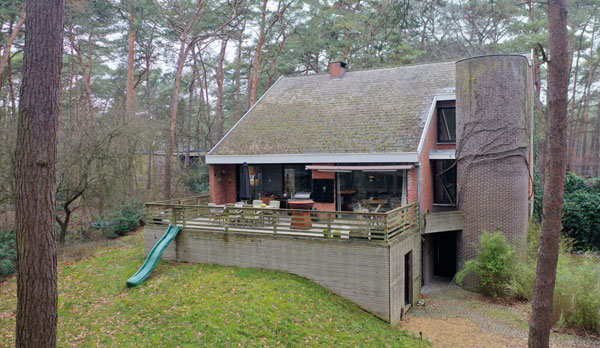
<point>192,305</point>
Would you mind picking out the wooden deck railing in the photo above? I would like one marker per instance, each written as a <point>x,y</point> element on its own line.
<point>373,227</point>
<point>192,200</point>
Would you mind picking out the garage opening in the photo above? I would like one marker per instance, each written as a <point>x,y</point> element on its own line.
<point>444,254</point>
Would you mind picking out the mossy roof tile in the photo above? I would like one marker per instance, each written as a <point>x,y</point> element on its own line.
<point>368,111</point>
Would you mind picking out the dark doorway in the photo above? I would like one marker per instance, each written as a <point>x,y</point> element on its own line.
<point>444,254</point>
<point>408,276</point>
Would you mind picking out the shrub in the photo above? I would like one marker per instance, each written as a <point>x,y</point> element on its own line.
<point>493,266</point>
<point>577,290</point>
<point>577,293</point>
<point>129,216</point>
<point>581,218</point>
<point>581,210</point>
<point>195,178</point>
<point>8,252</point>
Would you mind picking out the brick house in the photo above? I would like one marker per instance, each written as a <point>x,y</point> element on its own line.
<point>382,138</point>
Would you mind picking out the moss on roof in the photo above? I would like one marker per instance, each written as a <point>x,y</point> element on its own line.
<point>368,111</point>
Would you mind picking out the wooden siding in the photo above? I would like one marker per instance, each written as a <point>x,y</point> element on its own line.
<point>444,221</point>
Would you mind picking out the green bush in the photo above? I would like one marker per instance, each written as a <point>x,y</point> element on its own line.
<point>8,252</point>
<point>577,293</point>
<point>128,217</point>
<point>195,178</point>
<point>493,266</point>
<point>577,290</point>
<point>581,210</point>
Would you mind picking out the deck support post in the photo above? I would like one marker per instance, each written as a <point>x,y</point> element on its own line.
<point>226,219</point>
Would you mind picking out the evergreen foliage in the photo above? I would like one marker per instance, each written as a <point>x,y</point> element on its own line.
<point>8,252</point>
<point>581,212</point>
<point>127,217</point>
<point>493,266</point>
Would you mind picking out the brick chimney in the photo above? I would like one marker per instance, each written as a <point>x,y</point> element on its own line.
<point>337,69</point>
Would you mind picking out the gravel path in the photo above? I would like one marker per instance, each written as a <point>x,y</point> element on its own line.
<point>453,317</point>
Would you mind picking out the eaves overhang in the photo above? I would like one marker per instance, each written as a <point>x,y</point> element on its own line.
<point>399,157</point>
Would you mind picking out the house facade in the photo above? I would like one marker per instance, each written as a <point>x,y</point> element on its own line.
<point>375,140</point>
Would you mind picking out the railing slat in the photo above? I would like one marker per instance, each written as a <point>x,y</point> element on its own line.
<point>193,214</point>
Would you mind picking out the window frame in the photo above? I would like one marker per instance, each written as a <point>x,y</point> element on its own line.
<point>440,116</point>
<point>449,197</point>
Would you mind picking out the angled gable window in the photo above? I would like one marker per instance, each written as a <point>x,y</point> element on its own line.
<point>446,125</point>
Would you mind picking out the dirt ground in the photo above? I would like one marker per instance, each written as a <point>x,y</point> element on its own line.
<point>452,317</point>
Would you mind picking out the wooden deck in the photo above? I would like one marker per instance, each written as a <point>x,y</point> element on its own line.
<point>359,256</point>
<point>374,227</point>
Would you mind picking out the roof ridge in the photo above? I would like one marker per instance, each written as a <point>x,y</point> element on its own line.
<point>374,68</point>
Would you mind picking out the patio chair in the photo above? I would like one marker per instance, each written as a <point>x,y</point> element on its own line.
<point>235,215</point>
<point>251,217</point>
<point>216,215</point>
<point>359,208</point>
<point>269,215</point>
<point>257,203</point>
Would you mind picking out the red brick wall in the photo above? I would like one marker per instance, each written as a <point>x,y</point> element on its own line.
<point>444,146</point>
<point>325,175</point>
<point>429,144</point>
<point>412,193</point>
<point>426,170</point>
<point>223,187</point>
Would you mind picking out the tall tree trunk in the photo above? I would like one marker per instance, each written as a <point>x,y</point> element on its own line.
<point>130,95</point>
<point>39,109</point>
<point>558,82</point>
<point>238,83</point>
<point>183,51</point>
<point>11,88</point>
<point>220,79</point>
<point>253,86</point>
<point>200,143</point>
<point>595,170</point>
<point>274,59</point>
<point>584,123</point>
<point>88,77</point>
<point>574,109</point>
<point>86,73</point>
<point>129,91</point>
<point>206,102</point>
<point>188,128</point>
<point>148,58</point>
<point>70,84</point>
<point>11,39</point>
<point>540,116</point>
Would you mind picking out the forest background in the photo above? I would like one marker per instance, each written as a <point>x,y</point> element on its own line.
<point>149,86</point>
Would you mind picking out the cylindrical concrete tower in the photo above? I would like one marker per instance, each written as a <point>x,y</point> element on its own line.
<point>493,110</point>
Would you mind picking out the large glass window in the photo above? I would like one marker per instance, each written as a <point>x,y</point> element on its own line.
<point>446,125</point>
<point>276,179</point>
<point>296,179</point>
<point>444,178</point>
<point>359,186</point>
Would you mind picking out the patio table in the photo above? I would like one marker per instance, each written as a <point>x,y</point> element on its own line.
<point>374,204</point>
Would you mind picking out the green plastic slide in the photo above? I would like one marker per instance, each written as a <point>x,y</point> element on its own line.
<point>153,257</point>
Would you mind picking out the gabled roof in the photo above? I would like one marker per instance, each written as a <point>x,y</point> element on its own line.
<point>376,111</point>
